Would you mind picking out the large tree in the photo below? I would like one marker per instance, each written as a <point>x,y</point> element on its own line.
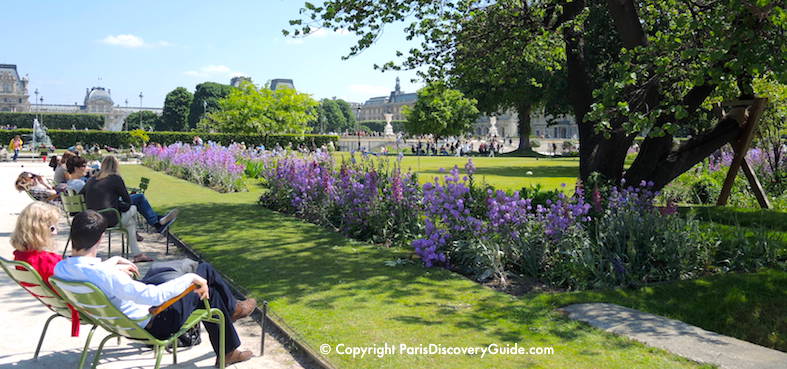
<point>633,67</point>
<point>441,112</point>
<point>145,120</point>
<point>251,110</point>
<point>206,100</point>
<point>176,110</point>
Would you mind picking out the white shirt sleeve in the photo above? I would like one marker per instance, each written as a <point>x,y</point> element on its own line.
<point>125,288</point>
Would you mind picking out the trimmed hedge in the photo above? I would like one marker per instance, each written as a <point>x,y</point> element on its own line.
<point>379,125</point>
<point>66,138</point>
<point>53,120</point>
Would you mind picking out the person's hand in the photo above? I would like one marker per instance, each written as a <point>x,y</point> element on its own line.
<point>129,269</point>
<point>202,287</point>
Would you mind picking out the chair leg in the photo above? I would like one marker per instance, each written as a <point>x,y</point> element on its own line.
<point>159,354</point>
<point>87,347</point>
<point>109,244</point>
<point>43,333</point>
<point>66,248</point>
<point>175,351</point>
<point>222,344</point>
<point>101,347</point>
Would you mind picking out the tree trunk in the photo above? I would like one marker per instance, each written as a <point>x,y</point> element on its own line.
<point>523,127</point>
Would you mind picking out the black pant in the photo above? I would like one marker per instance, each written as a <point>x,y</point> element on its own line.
<point>170,320</point>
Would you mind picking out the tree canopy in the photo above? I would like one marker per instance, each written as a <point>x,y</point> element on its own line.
<point>144,120</point>
<point>334,115</point>
<point>440,111</point>
<point>176,110</point>
<point>631,67</point>
<point>250,110</point>
<point>206,100</point>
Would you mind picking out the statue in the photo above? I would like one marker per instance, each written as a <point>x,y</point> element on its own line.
<point>493,126</point>
<point>388,127</point>
<point>40,137</point>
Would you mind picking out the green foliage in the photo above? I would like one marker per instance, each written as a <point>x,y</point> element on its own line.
<point>249,110</point>
<point>53,120</point>
<point>176,110</point>
<point>440,111</point>
<point>379,125</point>
<point>145,120</point>
<point>138,137</point>
<point>66,138</point>
<point>208,93</point>
<point>334,115</point>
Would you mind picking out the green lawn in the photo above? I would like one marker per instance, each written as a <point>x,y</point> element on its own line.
<point>333,290</point>
<point>506,173</point>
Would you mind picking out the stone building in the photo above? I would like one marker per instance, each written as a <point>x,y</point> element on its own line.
<point>13,90</point>
<point>541,126</point>
<point>282,83</point>
<point>376,107</point>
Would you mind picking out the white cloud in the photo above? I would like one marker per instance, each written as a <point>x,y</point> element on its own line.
<point>213,71</point>
<point>132,41</point>
<point>370,90</point>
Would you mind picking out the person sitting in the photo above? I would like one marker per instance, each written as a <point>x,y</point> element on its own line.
<point>76,173</point>
<point>107,190</point>
<point>32,239</point>
<point>35,185</point>
<point>135,298</point>
<point>60,170</point>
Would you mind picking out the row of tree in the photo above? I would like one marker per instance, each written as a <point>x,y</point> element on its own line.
<point>622,68</point>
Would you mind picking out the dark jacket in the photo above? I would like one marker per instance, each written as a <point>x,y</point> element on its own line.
<point>109,192</point>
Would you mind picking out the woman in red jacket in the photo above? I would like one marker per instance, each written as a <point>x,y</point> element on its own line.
<point>32,239</point>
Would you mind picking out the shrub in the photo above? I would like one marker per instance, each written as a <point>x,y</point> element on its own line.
<point>53,120</point>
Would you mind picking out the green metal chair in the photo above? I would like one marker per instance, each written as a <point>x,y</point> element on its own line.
<point>29,279</point>
<point>75,203</point>
<point>91,301</point>
<point>144,182</point>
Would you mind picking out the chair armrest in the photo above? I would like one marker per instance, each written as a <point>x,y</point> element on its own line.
<point>158,309</point>
<point>109,210</point>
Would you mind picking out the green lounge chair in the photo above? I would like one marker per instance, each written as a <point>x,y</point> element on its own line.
<point>75,203</point>
<point>91,301</point>
<point>29,279</point>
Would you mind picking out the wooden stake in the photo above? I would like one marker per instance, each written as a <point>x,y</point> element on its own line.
<point>741,147</point>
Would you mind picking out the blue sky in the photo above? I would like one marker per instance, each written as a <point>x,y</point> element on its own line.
<point>155,46</point>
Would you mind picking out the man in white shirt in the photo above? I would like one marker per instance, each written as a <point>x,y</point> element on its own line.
<point>135,298</point>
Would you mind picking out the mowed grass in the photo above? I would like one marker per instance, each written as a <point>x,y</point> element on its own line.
<point>332,290</point>
<point>506,173</point>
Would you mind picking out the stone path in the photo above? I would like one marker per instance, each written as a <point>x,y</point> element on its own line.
<point>23,317</point>
<point>677,337</point>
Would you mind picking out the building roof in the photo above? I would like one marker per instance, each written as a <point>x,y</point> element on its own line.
<point>10,68</point>
<point>282,83</point>
<point>98,95</point>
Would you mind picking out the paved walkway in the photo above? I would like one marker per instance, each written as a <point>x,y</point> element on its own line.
<point>677,337</point>
<point>23,317</point>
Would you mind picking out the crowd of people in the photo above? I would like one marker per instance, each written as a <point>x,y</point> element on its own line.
<point>104,188</point>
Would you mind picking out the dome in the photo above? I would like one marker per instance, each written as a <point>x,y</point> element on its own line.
<point>98,95</point>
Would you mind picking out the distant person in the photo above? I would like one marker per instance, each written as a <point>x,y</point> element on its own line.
<point>554,149</point>
<point>197,141</point>
<point>60,170</point>
<point>15,145</point>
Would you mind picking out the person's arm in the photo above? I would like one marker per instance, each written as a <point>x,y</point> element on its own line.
<point>120,187</point>
<point>125,288</point>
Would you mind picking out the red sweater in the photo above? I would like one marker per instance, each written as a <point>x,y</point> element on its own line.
<point>44,263</point>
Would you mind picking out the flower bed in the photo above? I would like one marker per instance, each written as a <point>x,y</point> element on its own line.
<point>613,237</point>
<point>210,165</point>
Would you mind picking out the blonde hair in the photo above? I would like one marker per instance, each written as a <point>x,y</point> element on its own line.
<point>109,166</point>
<point>32,231</point>
<point>23,182</point>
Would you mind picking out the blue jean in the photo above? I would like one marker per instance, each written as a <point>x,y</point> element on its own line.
<point>144,208</point>
<point>16,154</point>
